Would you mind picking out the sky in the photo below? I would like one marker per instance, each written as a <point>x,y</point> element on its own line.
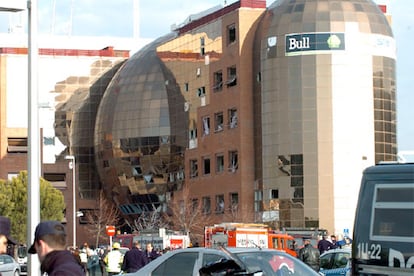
<point>115,18</point>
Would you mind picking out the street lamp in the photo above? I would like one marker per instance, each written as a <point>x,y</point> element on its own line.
<point>33,156</point>
<point>72,166</point>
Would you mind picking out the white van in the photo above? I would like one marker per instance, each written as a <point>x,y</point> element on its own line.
<point>383,238</point>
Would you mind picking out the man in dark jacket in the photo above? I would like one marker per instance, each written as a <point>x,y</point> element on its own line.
<point>324,245</point>
<point>50,246</point>
<point>134,259</point>
<point>309,255</point>
<point>151,253</point>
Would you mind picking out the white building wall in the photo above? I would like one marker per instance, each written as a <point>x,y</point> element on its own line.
<point>353,102</point>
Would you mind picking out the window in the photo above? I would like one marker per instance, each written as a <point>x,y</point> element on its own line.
<point>10,175</point>
<point>58,180</point>
<point>393,208</point>
<point>181,264</point>
<point>193,134</point>
<point>258,199</point>
<point>17,145</point>
<point>274,193</point>
<point>206,165</point>
<point>181,207</point>
<point>206,205</point>
<point>234,201</point>
<point>86,215</point>
<point>206,126</point>
<point>219,203</point>
<point>232,118</point>
<point>148,178</point>
<point>218,80</point>
<point>194,204</point>
<point>186,87</point>
<point>193,168</point>
<point>201,91</point>
<point>296,173</point>
<point>233,161</point>
<point>218,118</point>
<point>219,163</point>
<point>231,33</point>
<point>231,76</point>
<point>202,46</point>
<point>211,258</point>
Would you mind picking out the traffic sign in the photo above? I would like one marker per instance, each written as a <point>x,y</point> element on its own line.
<point>110,230</point>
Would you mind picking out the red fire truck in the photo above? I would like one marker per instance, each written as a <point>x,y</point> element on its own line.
<point>248,235</point>
<point>160,240</point>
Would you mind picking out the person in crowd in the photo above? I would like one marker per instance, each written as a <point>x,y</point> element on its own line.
<point>5,238</point>
<point>151,253</point>
<point>324,244</point>
<point>114,260</point>
<point>85,253</point>
<point>102,253</point>
<point>334,242</point>
<point>309,254</point>
<point>50,246</point>
<point>93,265</point>
<point>134,259</point>
<point>84,259</point>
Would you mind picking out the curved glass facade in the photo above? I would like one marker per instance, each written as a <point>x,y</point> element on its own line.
<point>140,133</point>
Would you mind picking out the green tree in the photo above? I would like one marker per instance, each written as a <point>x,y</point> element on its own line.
<point>13,203</point>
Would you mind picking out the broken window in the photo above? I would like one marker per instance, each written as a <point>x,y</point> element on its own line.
<point>233,161</point>
<point>218,80</point>
<point>231,33</point>
<point>194,204</point>
<point>202,46</point>
<point>232,118</point>
<point>219,203</point>
<point>201,91</point>
<point>219,163</point>
<point>258,201</point>
<point>234,201</point>
<point>193,168</point>
<point>231,76</point>
<point>206,165</point>
<point>206,126</point>
<point>274,193</point>
<point>219,119</point>
<point>148,178</point>
<point>17,145</point>
<point>206,205</point>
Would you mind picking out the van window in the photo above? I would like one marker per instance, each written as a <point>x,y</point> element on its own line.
<point>393,207</point>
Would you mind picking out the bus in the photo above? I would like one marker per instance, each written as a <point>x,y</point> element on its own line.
<point>383,238</point>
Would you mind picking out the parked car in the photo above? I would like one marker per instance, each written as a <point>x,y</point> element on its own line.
<point>243,261</point>
<point>9,266</point>
<point>22,259</point>
<point>336,262</point>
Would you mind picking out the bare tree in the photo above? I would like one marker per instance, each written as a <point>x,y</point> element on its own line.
<point>105,214</point>
<point>147,221</point>
<point>186,215</point>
